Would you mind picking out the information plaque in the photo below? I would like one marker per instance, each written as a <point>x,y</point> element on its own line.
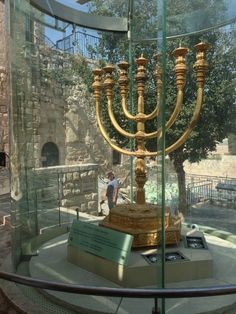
<point>107,243</point>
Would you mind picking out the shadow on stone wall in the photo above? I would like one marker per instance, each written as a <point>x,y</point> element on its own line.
<point>4,181</point>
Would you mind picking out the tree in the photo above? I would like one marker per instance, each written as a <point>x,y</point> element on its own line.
<point>215,119</point>
<point>219,96</point>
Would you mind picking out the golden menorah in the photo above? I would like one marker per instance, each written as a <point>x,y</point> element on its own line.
<point>141,219</point>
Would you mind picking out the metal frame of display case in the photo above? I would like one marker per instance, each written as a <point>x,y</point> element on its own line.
<point>71,15</point>
<point>112,24</point>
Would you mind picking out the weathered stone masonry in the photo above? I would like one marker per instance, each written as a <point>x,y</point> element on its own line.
<point>3,84</point>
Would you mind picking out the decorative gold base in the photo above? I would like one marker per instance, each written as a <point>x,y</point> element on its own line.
<point>143,222</point>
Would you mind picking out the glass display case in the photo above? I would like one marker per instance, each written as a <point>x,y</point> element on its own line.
<point>137,97</point>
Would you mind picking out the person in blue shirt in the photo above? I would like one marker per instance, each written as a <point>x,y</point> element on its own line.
<point>112,190</point>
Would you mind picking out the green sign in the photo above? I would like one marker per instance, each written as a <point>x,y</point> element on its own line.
<point>107,243</point>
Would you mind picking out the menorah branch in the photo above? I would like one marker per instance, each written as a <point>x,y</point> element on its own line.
<point>125,110</point>
<point>179,101</point>
<point>106,136</point>
<point>191,126</point>
<point>114,122</point>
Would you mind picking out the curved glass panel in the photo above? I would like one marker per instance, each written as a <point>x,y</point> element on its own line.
<point>201,192</point>
<point>190,17</point>
<point>163,118</point>
<point>193,17</point>
<point>80,17</point>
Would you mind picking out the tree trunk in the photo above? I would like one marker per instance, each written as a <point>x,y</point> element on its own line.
<point>179,168</point>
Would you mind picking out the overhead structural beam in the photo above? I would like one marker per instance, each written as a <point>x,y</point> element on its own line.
<point>73,16</point>
<point>82,1</point>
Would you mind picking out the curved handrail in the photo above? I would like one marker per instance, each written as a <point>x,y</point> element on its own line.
<point>121,292</point>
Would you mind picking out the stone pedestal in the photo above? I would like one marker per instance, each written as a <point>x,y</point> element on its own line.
<point>196,264</point>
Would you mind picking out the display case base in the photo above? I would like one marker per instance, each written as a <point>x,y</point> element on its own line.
<point>193,265</point>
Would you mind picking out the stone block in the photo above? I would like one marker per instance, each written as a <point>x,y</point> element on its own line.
<point>76,176</point>
<point>88,197</point>
<point>84,174</point>
<point>76,191</point>
<point>70,202</point>
<point>69,177</point>
<point>67,193</point>
<point>69,185</point>
<point>92,173</point>
<point>92,205</point>
<point>94,196</point>
<point>3,109</point>
<point>83,207</point>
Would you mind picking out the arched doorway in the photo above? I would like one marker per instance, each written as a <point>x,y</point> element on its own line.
<point>50,155</point>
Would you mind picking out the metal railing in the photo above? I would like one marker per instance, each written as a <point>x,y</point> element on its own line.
<point>199,191</point>
<point>80,43</point>
<point>167,293</point>
<point>202,188</point>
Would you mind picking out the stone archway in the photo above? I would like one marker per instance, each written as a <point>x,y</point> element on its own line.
<point>50,155</point>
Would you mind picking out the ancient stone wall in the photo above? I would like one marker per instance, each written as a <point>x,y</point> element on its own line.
<point>49,104</point>
<point>60,110</point>
<point>73,186</point>
<point>65,113</point>
<point>46,108</point>
<point>221,166</point>
<point>220,163</point>
<point>3,84</point>
<point>48,100</point>
<point>84,142</point>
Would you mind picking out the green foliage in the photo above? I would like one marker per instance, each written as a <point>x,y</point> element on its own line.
<point>66,69</point>
<point>80,67</point>
<point>153,193</point>
<point>219,95</point>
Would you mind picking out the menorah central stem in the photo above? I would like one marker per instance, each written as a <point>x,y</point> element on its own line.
<point>140,169</point>
<point>140,178</point>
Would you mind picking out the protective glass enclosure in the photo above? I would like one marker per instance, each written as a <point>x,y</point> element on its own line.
<point>123,148</point>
